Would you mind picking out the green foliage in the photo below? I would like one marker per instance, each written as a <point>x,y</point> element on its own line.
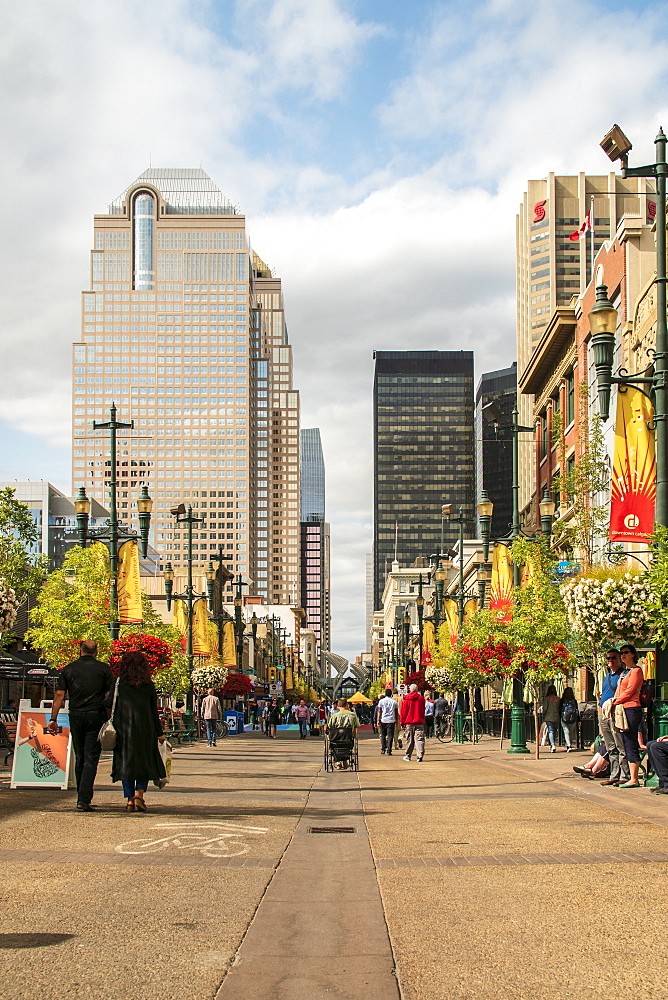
<point>377,689</point>
<point>590,475</point>
<point>21,570</point>
<point>73,605</point>
<point>657,583</point>
<point>173,681</point>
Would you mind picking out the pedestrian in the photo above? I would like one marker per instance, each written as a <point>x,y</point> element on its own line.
<point>86,682</point>
<point>628,713</point>
<point>551,714</point>
<point>398,741</point>
<point>302,717</point>
<point>388,716</point>
<point>440,711</point>
<point>428,714</point>
<point>137,759</point>
<point>374,715</point>
<point>657,753</point>
<point>569,714</point>
<point>412,719</point>
<point>343,718</point>
<point>274,718</point>
<point>614,741</point>
<point>211,713</point>
<point>322,716</point>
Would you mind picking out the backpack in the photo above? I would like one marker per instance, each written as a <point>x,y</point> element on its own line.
<point>569,712</point>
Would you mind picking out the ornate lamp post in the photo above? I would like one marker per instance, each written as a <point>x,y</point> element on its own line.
<point>215,584</point>
<point>239,625</point>
<point>419,603</point>
<point>485,511</point>
<point>113,531</point>
<point>184,515</point>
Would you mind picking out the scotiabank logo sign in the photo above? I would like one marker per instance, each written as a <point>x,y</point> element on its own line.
<point>539,211</point>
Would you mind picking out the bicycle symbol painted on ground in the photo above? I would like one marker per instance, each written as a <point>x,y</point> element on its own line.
<point>213,840</point>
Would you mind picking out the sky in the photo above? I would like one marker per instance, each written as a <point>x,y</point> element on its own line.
<point>378,148</point>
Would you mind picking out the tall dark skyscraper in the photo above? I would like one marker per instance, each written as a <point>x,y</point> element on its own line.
<point>494,456</point>
<point>315,588</point>
<point>423,453</point>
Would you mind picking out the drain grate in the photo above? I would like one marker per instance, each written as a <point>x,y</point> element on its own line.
<point>332,829</point>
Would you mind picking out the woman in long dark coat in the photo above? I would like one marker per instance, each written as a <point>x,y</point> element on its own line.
<point>137,759</point>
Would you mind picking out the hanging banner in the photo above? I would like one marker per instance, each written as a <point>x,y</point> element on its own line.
<point>200,628</point>
<point>633,469</point>
<point>427,644</point>
<point>180,619</point>
<point>470,608</point>
<point>451,618</point>
<point>129,586</point>
<point>289,679</point>
<point>229,646</point>
<point>501,590</point>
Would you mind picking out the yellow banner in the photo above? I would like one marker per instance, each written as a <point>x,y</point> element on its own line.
<point>180,619</point>
<point>427,644</point>
<point>470,608</point>
<point>129,587</point>
<point>451,615</point>
<point>200,628</point>
<point>289,679</point>
<point>229,646</point>
<point>501,590</point>
<point>633,491</point>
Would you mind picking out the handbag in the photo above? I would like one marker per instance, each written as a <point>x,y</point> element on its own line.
<point>107,733</point>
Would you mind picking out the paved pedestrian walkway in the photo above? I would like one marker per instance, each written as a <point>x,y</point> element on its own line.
<point>472,874</point>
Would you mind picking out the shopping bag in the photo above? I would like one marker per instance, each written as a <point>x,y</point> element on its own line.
<point>166,754</point>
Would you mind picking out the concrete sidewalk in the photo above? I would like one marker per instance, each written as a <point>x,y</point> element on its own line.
<point>472,874</point>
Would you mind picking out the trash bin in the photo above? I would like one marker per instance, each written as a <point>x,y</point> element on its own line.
<point>235,721</point>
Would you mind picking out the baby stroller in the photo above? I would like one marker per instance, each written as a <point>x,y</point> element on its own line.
<point>341,749</point>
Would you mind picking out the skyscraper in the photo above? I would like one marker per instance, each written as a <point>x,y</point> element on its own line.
<point>183,328</point>
<point>315,589</point>
<point>552,267</point>
<point>423,453</point>
<point>493,443</point>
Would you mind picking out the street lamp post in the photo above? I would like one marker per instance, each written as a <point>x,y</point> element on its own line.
<point>420,615</point>
<point>239,625</point>
<point>653,381</point>
<point>485,511</point>
<point>216,580</point>
<point>113,532</point>
<point>184,515</point>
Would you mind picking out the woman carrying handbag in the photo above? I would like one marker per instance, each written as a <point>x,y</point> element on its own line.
<point>137,758</point>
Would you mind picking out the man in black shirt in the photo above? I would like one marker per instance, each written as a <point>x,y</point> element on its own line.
<point>87,682</point>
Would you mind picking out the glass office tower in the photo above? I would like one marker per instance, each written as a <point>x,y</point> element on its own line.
<point>423,454</point>
<point>494,451</point>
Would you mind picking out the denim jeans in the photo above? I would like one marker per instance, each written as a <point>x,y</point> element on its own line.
<point>569,730</point>
<point>84,727</point>
<point>211,730</point>
<point>133,785</point>
<point>630,735</point>
<point>619,767</point>
<point>551,730</point>
<point>303,728</point>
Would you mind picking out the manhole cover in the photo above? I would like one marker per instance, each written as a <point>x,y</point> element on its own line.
<point>332,829</point>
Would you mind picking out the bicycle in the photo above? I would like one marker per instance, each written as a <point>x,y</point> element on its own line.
<point>446,731</point>
<point>222,729</point>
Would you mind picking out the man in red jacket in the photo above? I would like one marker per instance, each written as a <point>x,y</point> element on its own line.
<point>412,719</point>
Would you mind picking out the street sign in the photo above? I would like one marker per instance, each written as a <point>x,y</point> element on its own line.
<point>402,689</point>
<point>276,688</point>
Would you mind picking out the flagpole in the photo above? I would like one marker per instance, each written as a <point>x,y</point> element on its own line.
<point>591,231</point>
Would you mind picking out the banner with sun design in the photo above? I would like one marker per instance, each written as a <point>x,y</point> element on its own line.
<point>501,590</point>
<point>633,470</point>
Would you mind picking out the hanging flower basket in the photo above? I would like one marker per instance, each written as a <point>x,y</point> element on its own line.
<point>609,609</point>
<point>9,606</point>
<point>207,677</point>
<point>236,685</point>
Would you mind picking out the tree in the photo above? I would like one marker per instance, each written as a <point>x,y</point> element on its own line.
<point>73,605</point>
<point>21,570</point>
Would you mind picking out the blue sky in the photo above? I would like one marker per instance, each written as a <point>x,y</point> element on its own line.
<point>378,149</point>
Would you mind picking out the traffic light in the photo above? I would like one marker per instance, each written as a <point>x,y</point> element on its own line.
<point>272,675</point>
<point>401,674</point>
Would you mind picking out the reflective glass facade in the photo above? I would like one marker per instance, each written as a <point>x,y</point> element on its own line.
<point>494,455</point>
<point>423,453</point>
<point>312,475</point>
<point>144,214</point>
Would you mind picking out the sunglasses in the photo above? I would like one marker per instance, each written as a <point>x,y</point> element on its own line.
<point>622,651</point>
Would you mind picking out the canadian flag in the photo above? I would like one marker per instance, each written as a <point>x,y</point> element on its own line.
<point>580,233</point>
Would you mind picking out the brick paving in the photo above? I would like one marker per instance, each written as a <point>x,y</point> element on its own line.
<point>525,859</point>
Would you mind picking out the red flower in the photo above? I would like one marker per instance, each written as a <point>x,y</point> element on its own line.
<point>157,651</point>
<point>236,684</point>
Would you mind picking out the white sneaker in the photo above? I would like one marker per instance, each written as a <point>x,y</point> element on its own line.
<point>407,758</point>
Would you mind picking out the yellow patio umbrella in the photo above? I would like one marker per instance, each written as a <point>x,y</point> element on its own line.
<point>359,699</point>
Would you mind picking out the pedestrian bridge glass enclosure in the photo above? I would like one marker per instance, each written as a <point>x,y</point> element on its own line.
<point>144,215</point>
